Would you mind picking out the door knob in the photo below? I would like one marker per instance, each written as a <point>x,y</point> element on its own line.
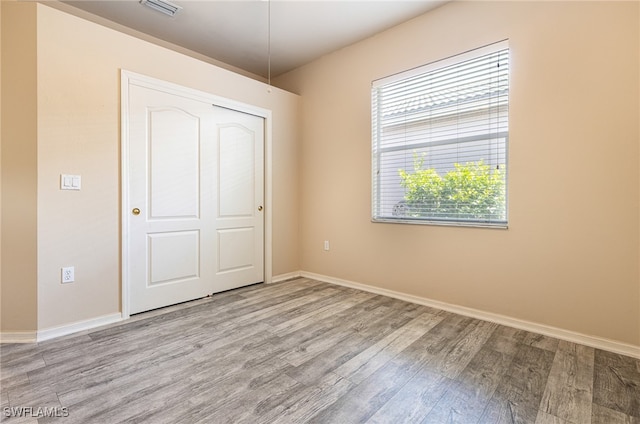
<point>260,208</point>
<point>135,211</point>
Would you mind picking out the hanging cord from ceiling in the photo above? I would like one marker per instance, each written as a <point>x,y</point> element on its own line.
<point>269,45</point>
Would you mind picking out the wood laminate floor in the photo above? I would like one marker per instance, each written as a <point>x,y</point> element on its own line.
<point>305,351</point>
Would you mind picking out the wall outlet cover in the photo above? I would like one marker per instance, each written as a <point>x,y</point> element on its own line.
<point>68,274</point>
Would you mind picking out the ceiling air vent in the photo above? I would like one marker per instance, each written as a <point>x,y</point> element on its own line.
<point>163,6</point>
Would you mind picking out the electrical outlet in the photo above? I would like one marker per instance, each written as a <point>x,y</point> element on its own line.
<point>326,245</point>
<point>68,274</point>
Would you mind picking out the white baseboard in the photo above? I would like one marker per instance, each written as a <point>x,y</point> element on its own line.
<point>63,330</point>
<point>284,277</point>
<point>559,333</point>
<point>18,337</point>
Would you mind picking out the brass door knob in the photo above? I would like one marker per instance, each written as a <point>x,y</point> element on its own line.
<point>135,211</point>
<point>260,208</point>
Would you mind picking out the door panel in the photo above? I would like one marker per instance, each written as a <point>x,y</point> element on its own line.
<point>235,249</point>
<point>174,138</point>
<point>236,160</point>
<point>196,175</point>
<point>174,257</point>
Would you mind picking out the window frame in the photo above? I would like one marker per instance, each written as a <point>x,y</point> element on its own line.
<point>376,186</point>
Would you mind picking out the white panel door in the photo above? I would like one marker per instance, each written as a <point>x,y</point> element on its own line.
<point>189,199</point>
<point>239,217</point>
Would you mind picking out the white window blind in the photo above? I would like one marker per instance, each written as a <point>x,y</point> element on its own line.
<point>440,141</point>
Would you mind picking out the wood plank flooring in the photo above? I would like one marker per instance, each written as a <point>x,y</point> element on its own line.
<point>306,351</point>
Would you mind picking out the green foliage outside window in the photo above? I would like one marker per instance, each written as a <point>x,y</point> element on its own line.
<point>471,191</point>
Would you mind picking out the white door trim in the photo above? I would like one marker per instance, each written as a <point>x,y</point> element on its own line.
<point>128,78</point>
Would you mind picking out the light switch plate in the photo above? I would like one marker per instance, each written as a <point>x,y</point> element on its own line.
<point>70,182</point>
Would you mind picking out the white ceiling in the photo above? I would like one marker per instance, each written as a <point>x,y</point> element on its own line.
<point>236,32</point>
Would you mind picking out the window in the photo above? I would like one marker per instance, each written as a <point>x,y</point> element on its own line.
<point>440,139</point>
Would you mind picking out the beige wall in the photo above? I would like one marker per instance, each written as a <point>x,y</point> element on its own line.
<point>570,256</point>
<point>78,109</point>
<point>19,168</point>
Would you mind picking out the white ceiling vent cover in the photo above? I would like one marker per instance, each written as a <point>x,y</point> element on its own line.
<point>163,6</point>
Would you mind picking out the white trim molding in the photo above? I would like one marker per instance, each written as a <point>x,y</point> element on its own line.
<point>18,337</point>
<point>284,277</point>
<point>558,333</point>
<point>63,330</point>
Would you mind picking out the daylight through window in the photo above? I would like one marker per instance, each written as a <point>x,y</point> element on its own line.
<point>440,140</point>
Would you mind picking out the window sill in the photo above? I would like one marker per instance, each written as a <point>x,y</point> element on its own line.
<point>497,225</point>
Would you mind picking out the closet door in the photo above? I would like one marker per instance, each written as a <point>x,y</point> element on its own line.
<point>195,192</point>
